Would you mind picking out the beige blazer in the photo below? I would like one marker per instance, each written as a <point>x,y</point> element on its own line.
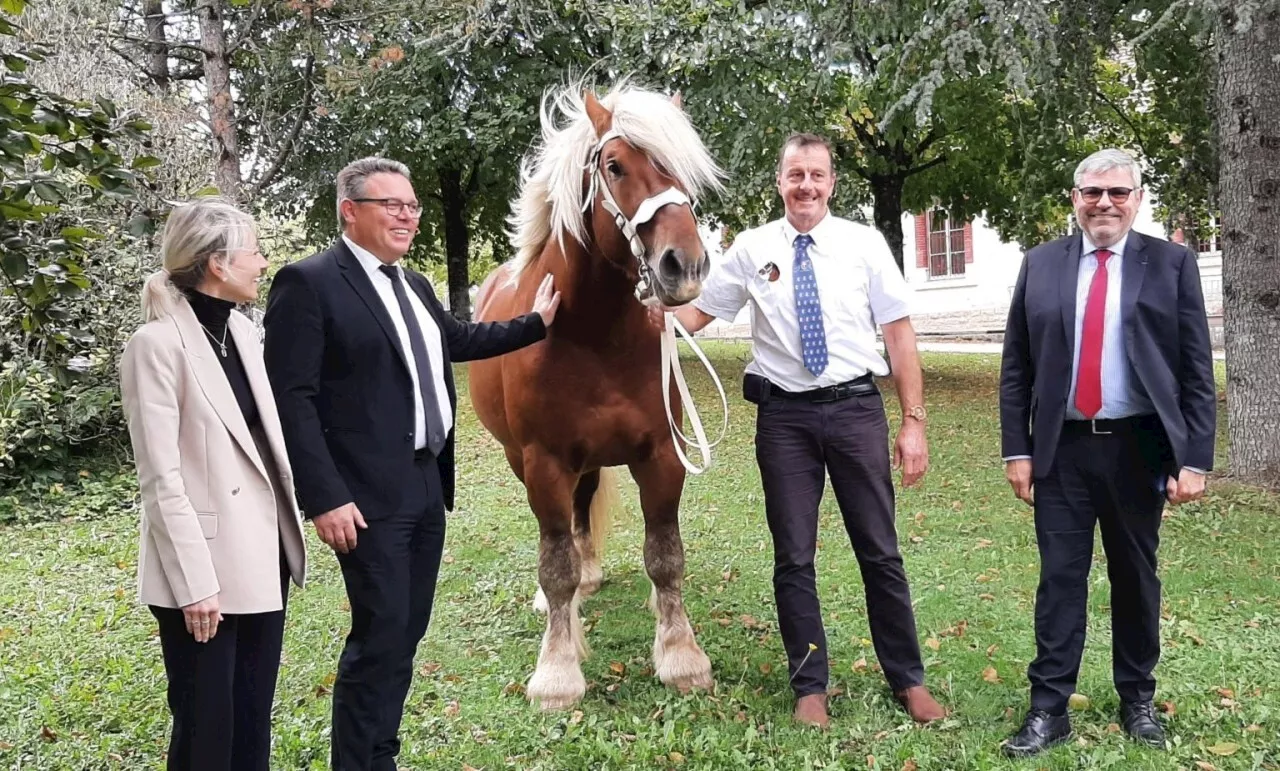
<point>214,511</point>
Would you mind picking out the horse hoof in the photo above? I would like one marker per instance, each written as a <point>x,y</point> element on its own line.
<point>550,692</point>
<point>540,602</point>
<point>698,682</point>
<point>588,588</point>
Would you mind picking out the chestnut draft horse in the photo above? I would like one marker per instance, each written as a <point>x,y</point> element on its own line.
<point>616,175</point>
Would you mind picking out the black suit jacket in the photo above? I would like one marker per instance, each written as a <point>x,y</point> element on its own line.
<point>342,382</point>
<point>1166,340</point>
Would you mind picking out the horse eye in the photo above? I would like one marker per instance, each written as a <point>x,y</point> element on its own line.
<point>614,168</point>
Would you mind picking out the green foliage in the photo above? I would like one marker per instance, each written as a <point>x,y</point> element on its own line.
<point>56,156</point>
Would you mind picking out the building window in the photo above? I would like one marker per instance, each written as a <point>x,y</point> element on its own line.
<point>946,246</point>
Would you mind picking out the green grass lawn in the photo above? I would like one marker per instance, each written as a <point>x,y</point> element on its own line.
<point>82,686</point>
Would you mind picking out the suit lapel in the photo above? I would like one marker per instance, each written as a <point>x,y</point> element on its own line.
<point>213,380</point>
<point>1067,283</point>
<point>1133,270</point>
<point>356,276</point>
<point>255,371</point>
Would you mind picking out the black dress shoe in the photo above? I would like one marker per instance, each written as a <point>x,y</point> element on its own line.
<point>1039,732</point>
<point>1140,722</point>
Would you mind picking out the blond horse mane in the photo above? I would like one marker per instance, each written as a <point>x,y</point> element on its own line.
<point>550,201</point>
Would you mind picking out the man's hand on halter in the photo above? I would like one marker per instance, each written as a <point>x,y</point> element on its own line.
<point>657,314</point>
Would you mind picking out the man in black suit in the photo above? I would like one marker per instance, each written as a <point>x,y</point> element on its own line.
<point>358,350</point>
<point>1107,410</point>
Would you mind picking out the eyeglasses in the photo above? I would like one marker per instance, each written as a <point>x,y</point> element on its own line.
<point>1094,194</point>
<point>394,206</point>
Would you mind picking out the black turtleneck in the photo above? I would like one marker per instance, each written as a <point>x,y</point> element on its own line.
<point>212,313</point>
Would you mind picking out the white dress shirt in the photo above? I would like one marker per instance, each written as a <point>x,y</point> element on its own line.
<point>1121,396</point>
<point>859,286</point>
<point>430,335</point>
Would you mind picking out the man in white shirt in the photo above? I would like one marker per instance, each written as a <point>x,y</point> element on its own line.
<point>818,286</point>
<point>359,353</point>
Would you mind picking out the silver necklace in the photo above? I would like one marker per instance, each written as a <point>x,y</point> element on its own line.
<point>222,344</point>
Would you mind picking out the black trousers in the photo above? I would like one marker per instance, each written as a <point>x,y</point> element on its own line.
<point>1116,480</point>
<point>220,692</point>
<point>796,442</point>
<point>391,583</point>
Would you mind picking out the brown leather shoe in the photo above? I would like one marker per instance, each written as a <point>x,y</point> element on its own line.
<point>812,710</point>
<point>920,704</point>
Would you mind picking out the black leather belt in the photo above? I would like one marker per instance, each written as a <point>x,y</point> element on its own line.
<point>863,386</point>
<point>1106,426</point>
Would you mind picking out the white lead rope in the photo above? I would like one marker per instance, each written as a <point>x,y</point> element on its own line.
<point>670,363</point>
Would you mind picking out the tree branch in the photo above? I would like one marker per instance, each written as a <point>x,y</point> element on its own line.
<point>1124,117</point>
<point>168,45</point>
<point>870,141</point>
<point>924,166</point>
<point>286,147</point>
<point>243,34</point>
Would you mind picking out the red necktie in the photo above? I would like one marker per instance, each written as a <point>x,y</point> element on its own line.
<point>1089,375</point>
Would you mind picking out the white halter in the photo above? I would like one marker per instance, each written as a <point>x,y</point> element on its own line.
<point>646,211</point>
<point>644,290</point>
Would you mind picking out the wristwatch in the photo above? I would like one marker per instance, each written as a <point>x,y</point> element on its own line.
<point>918,412</point>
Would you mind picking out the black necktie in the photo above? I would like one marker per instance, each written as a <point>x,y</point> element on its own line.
<point>426,383</point>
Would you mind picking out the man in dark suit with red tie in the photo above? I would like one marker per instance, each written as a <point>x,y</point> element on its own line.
<point>1107,410</point>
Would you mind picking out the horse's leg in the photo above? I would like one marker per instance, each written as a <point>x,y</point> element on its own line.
<point>557,682</point>
<point>592,575</point>
<point>677,659</point>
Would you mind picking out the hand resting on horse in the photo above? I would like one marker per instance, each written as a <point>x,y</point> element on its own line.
<point>546,301</point>
<point>691,318</point>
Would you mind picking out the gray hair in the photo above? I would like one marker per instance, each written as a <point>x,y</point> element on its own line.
<point>209,228</point>
<point>352,178</point>
<point>1106,160</point>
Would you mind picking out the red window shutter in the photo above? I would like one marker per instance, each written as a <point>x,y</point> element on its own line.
<point>968,242</point>
<point>922,240</point>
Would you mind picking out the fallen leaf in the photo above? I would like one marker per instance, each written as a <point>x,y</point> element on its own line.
<point>448,559</point>
<point>880,736</point>
<point>860,665</point>
<point>576,717</point>
<point>748,621</point>
<point>452,708</point>
<point>1205,766</point>
<point>5,633</point>
<point>430,668</point>
<point>991,650</point>
<point>1228,703</point>
<point>617,667</point>
<point>1113,728</point>
<point>1168,708</point>
<point>47,735</point>
<point>727,575</point>
<point>469,767</point>
<point>1009,713</point>
<point>766,667</point>
<point>1253,728</point>
<point>724,621</point>
<point>1224,748</point>
<point>982,579</point>
<point>1078,701</point>
<point>987,597</point>
<point>933,643</point>
<point>991,675</point>
<point>871,761</point>
<point>675,757</point>
<point>452,678</point>
<point>916,539</point>
<point>910,765</point>
<point>984,543</point>
<point>5,746</point>
<point>512,689</point>
<point>1251,624</point>
<point>1226,693</point>
<point>321,691</point>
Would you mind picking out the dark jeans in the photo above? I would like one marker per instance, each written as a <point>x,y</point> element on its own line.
<point>220,692</point>
<point>797,444</point>
<point>1117,481</point>
<point>391,582</point>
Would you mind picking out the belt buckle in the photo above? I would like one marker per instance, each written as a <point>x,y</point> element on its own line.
<point>1093,426</point>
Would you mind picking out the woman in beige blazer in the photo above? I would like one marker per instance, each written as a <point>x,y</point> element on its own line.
<point>221,534</point>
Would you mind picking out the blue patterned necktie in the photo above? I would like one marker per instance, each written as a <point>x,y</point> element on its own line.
<point>813,337</point>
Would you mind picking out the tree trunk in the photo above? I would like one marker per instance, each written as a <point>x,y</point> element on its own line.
<point>1249,106</point>
<point>886,195</point>
<point>222,108</point>
<point>457,243</point>
<point>157,61</point>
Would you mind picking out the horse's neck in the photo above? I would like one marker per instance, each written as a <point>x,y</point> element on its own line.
<point>595,297</point>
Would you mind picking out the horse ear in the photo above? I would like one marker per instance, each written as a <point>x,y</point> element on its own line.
<point>601,118</point>
<point>677,100</point>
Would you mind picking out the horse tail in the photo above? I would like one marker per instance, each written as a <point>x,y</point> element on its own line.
<point>603,503</point>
